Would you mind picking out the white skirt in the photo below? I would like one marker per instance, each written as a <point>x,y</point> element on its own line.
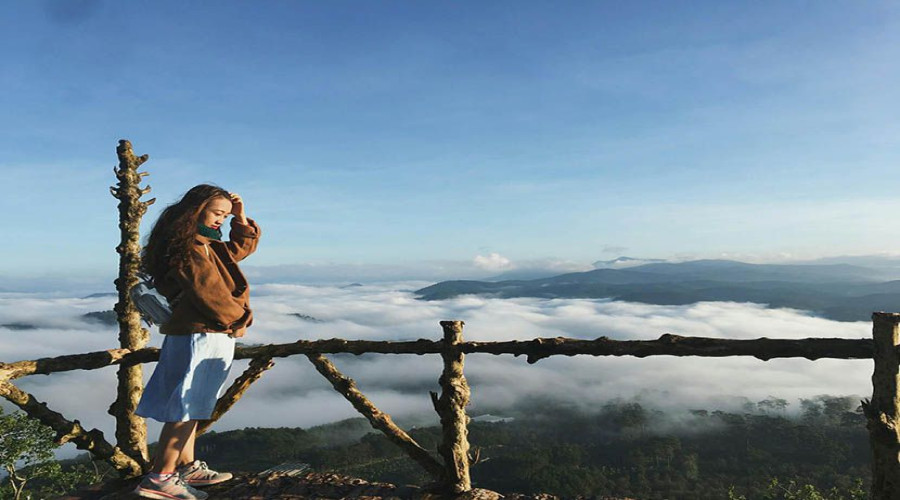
<point>189,377</point>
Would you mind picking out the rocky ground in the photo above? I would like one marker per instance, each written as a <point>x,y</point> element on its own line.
<point>309,485</point>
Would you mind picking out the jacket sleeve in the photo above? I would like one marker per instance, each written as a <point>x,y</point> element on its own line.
<point>202,285</point>
<point>242,239</point>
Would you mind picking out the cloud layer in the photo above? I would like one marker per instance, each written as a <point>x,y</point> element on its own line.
<point>493,262</point>
<point>294,394</point>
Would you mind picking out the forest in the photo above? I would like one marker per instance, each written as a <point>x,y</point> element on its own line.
<point>759,450</point>
<point>763,450</point>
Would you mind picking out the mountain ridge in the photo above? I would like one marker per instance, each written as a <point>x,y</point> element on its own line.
<point>839,291</point>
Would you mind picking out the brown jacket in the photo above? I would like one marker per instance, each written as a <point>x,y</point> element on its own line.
<point>211,294</point>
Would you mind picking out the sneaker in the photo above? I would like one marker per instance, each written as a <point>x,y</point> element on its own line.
<point>199,474</point>
<point>172,488</point>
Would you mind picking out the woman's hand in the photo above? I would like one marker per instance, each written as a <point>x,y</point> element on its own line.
<point>237,207</point>
<point>239,332</point>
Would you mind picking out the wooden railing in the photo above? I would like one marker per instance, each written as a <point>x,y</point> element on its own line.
<point>449,466</point>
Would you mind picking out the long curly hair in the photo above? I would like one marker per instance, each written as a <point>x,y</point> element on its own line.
<point>173,233</point>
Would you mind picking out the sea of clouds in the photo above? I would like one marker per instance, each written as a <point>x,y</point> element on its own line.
<point>294,394</point>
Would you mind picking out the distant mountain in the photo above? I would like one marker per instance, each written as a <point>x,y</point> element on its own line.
<point>106,317</point>
<point>306,317</point>
<point>889,265</point>
<point>623,261</point>
<point>524,274</point>
<point>729,270</point>
<point>842,292</point>
<point>19,326</point>
<point>101,294</point>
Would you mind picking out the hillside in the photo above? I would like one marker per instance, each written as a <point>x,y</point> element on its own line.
<point>546,449</point>
<point>840,292</point>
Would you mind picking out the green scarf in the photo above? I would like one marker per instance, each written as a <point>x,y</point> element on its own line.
<point>209,232</point>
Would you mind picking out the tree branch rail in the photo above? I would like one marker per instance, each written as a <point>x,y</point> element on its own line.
<point>535,350</point>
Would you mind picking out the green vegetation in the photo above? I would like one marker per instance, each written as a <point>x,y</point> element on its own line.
<point>621,449</point>
<point>26,455</point>
<point>624,448</point>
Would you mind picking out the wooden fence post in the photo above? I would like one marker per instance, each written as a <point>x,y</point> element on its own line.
<point>451,406</point>
<point>883,410</point>
<point>131,430</point>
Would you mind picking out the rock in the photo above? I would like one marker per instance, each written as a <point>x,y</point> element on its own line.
<point>308,485</point>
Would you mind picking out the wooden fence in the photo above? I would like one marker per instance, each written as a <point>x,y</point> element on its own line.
<point>449,466</point>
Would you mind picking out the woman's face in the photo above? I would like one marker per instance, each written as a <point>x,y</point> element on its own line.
<point>215,212</point>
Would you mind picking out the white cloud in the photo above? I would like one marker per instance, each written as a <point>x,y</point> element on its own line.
<point>292,393</point>
<point>493,261</point>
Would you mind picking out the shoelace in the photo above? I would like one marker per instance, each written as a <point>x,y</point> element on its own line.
<point>189,467</point>
<point>180,481</point>
<point>201,466</point>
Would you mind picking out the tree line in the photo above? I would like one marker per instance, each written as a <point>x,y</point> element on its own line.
<point>762,450</point>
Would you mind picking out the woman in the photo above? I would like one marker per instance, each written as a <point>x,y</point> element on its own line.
<point>198,273</point>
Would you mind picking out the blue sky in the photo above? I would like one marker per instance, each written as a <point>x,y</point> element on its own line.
<point>425,134</point>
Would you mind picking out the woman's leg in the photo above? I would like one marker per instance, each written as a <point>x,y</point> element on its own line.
<point>197,474</point>
<point>187,453</point>
<point>173,440</point>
